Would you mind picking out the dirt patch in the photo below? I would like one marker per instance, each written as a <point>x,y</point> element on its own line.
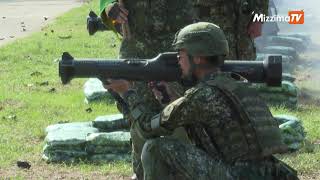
<point>44,171</point>
<point>49,172</point>
<point>310,176</point>
<point>11,103</point>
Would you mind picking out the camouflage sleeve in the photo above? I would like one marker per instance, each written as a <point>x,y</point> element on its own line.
<point>198,105</point>
<point>185,110</point>
<point>104,4</point>
<point>138,109</point>
<point>107,21</point>
<point>193,107</point>
<point>141,110</point>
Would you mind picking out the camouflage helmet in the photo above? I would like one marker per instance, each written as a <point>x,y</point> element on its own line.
<point>202,39</point>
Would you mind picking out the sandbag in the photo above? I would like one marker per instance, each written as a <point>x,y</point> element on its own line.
<point>288,77</point>
<point>292,131</point>
<point>104,149</point>
<point>94,91</point>
<point>71,142</point>
<point>279,100</point>
<point>304,36</point>
<point>64,137</point>
<point>109,123</point>
<point>287,88</point>
<point>68,126</point>
<point>286,95</point>
<point>115,139</point>
<point>294,42</point>
<point>63,156</point>
<point>67,142</point>
<point>287,51</point>
<point>50,148</point>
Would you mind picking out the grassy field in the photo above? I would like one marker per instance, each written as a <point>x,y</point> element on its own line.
<point>27,106</point>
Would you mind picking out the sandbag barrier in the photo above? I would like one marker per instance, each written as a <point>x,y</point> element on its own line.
<point>286,95</point>
<point>82,141</point>
<point>88,141</point>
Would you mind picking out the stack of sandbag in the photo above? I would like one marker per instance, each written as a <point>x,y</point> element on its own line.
<point>303,36</point>
<point>67,142</point>
<point>109,123</point>
<point>292,131</point>
<point>87,141</point>
<point>288,77</point>
<point>286,95</point>
<point>105,147</point>
<point>286,41</point>
<point>94,91</point>
<point>287,45</point>
<point>298,41</point>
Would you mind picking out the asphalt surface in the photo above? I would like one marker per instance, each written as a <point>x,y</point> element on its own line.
<point>20,18</point>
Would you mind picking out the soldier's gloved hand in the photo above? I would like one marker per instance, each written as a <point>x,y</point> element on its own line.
<point>119,86</point>
<point>116,12</point>
<point>162,92</point>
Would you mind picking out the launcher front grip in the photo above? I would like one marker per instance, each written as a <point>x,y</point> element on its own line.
<point>163,67</point>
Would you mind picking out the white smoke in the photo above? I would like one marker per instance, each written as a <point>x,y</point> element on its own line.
<point>308,72</point>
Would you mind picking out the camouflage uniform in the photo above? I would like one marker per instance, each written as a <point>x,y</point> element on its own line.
<point>233,132</point>
<point>233,17</point>
<point>153,24</point>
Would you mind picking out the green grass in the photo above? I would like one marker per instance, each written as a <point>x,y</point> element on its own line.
<point>26,108</point>
<point>306,160</point>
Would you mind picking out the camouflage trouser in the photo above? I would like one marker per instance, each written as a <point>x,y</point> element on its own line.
<point>138,140</point>
<point>165,158</point>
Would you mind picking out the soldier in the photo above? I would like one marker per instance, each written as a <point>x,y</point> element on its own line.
<point>152,25</point>
<point>233,131</point>
<point>235,19</point>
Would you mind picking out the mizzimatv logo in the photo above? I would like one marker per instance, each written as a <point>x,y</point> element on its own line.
<point>293,17</point>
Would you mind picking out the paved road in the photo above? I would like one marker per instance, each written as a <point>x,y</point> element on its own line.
<point>19,18</point>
